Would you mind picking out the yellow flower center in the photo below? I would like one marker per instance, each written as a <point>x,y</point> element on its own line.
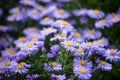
<point>61,11</point>
<point>35,34</point>
<point>83,63</point>
<point>80,50</point>
<point>35,12</point>
<point>96,11</point>
<point>48,30</point>
<point>10,51</point>
<point>114,14</point>
<point>100,41</point>
<point>31,30</point>
<point>4,40</point>
<point>64,22</point>
<point>92,32</point>
<point>20,66</point>
<point>22,39</point>
<point>83,71</point>
<point>17,8</point>
<point>103,63</point>
<point>68,43</point>
<point>29,45</point>
<point>59,36</point>
<point>103,21</point>
<point>115,19</point>
<point>54,64</point>
<point>77,44</point>
<point>15,15</point>
<point>77,35</point>
<point>89,43</point>
<point>41,7</point>
<point>7,63</point>
<point>34,39</point>
<point>46,18</point>
<point>112,52</point>
<point>23,63</point>
<point>27,0</point>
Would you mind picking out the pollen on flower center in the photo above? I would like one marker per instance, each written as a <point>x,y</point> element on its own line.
<point>4,40</point>
<point>92,32</point>
<point>79,50</point>
<point>15,15</point>
<point>23,63</point>
<point>77,44</point>
<point>27,0</point>
<point>31,30</point>
<point>103,63</point>
<point>35,12</point>
<point>46,18</point>
<point>115,19</point>
<point>83,63</point>
<point>61,11</point>
<point>96,11</point>
<point>48,30</point>
<point>17,8</point>
<point>112,52</point>
<point>29,45</point>
<point>64,22</point>
<point>41,7</point>
<point>54,64</point>
<point>7,63</point>
<point>10,51</point>
<point>34,39</point>
<point>22,39</point>
<point>77,35</point>
<point>20,66</point>
<point>83,71</point>
<point>68,43</point>
<point>103,21</point>
<point>89,43</point>
<point>100,41</point>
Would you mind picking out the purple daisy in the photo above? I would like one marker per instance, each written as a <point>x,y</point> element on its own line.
<point>61,14</point>
<point>46,21</point>
<point>58,77</point>
<point>112,55</point>
<point>96,14</point>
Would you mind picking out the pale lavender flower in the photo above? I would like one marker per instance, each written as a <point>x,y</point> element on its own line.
<point>15,17</point>
<point>28,2</point>
<point>102,42</point>
<point>96,14</point>
<point>61,14</point>
<point>68,45</point>
<point>29,48</point>
<point>82,63</point>
<point>91,34</point>
<point>112,55</point>
<point>9,52</point>
<point>82,73</point>
<point>58,77</point>
<point>46,21</point>
<point>83,20</point>
<point>32,77</point>
<point>47,31</point>
<point>34,14</point>
<point>104,66</point>
<point>20,68</point>
<point>103,23</point>
<point>80,12</point>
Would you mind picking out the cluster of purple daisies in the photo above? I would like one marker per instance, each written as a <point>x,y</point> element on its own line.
<point>88,49</point>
